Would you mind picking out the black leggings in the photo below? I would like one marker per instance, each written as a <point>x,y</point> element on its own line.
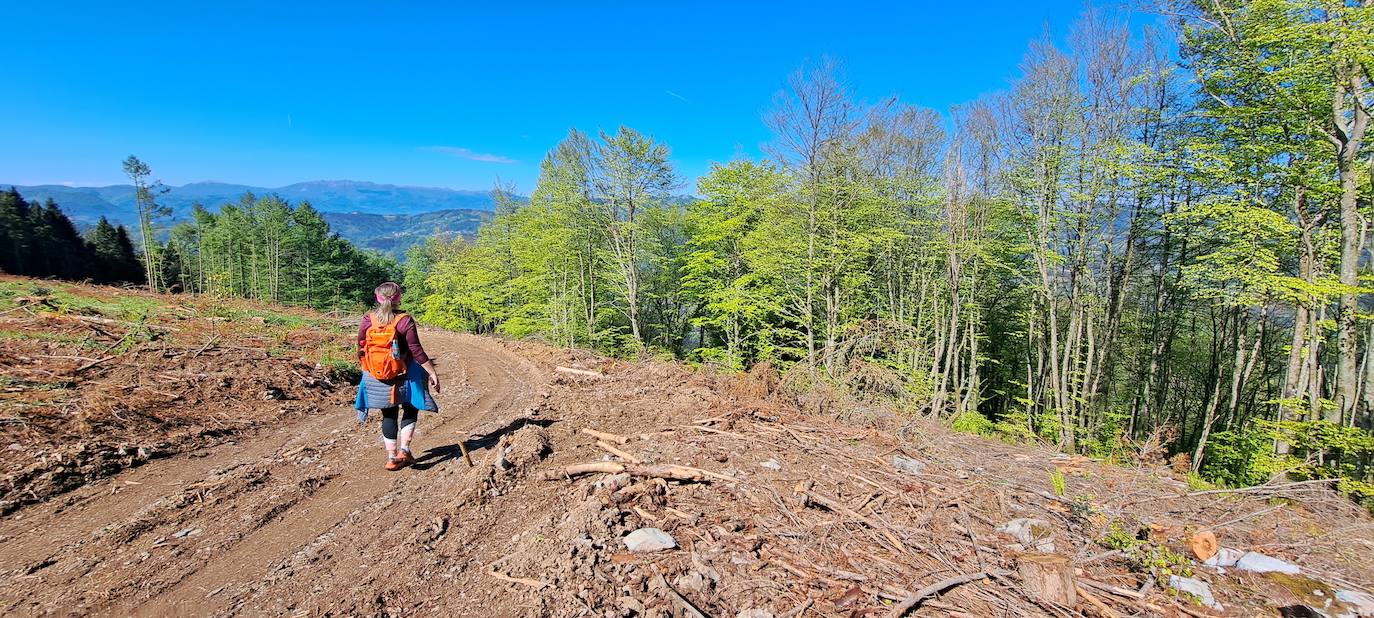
<point>390,425</point>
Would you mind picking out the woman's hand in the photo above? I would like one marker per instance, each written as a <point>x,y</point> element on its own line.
<point>433,376</point>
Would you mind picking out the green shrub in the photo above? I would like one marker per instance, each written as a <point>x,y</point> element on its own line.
<point>972,422</point>
<point>1014,427</point>
<point>1240,458</point>
<point>341,371</point>
<point>1243,458</point>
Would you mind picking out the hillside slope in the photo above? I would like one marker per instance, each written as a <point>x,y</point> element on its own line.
<point>394,234</point>
<point>117,201</point>
<point>773,510</point>
<point>385,218</point>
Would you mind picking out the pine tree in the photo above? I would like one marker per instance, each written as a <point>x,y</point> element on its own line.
<point>17,240</point>
<point>115,258</point>
<point>70,257</point>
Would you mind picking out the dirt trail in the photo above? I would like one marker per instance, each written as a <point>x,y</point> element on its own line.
<point>200,533</point>
<point>807,514</point>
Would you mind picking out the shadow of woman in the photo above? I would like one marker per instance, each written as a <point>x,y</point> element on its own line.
<point>440,454</point>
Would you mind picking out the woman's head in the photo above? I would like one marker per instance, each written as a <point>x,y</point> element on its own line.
<point>388,297</point>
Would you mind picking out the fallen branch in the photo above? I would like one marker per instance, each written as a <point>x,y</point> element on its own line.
<point>618,453</point>
<point>1245,517</point>
<point>609,437</point>
<point>1108,588</point>
<point>834,506</point>
<point>662,471</point>
<point>208,344</point>
<point>732,434</point>
<point>681,600</point>
<point>89,319</point>
<point>92,364</point>
<point>578,372</point>
<point>1261,488</point>
<point>1097,603</point>
<point>534,583</point>
<point>945,584</point>
<point>80,358</point>
<point>799,609</point>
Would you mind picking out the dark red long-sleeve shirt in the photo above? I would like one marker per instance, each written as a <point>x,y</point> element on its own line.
<point>406,333</point>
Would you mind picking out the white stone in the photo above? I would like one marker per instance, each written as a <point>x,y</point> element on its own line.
<point>1260,563</point>
<point>649,539</point>
<point>908,465</point>
<point>1033,534</point>
<point>1225,557</point>
<point>1361,604</point>
<point>771,464</point>
<point>1197,588</point>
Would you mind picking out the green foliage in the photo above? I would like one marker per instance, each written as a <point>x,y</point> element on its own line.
<point>1112,257</point>
<point>1241,458</point>
<point>1197,483</point>
<point>38,240</point>
<point>265,249</point>
<point>972,422</point>
<point>1118,538</point>
<point>1318,449</point>
<point>1015,427</point>
<point>1058,483</point>
<point>1144,555</point>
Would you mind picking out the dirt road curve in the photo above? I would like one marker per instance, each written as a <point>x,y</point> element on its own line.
<point>297,520</point>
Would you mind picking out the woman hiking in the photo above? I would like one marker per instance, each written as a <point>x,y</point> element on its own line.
<point>397,374</point>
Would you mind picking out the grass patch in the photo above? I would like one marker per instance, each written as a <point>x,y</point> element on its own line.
<point>85,343</point>
<point>66,298</point>
<point>341,370</point>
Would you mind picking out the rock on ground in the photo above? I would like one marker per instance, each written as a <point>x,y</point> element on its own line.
<point>649,539</point>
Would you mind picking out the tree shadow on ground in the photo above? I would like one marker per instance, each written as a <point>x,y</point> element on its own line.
<point>440,454</point>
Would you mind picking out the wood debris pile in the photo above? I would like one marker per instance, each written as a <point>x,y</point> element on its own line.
<point>772,512</point>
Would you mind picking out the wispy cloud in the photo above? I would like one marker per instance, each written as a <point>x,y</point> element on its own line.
<point>469,154</point>
<point>677,96</point>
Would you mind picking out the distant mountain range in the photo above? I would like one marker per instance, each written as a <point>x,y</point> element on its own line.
<point>388,218</point>
<point>395,234</point>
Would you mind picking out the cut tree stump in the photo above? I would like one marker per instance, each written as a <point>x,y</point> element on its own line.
<point>1048,577</point>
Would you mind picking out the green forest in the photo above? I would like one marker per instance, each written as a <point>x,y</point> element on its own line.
<point>1151,244</point>
<point>38,240</point>
<point>263,248</point>
<point>260,248</point>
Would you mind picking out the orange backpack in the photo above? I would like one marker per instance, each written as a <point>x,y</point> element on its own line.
<point>381,353</point>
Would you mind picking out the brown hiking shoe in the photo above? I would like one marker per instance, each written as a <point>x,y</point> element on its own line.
<point>393,464</point>
<point>404,458</point>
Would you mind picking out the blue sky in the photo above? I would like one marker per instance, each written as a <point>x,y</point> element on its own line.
<point>442,94</point>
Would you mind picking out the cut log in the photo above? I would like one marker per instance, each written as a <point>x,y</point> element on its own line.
<point>1048,577</point>
<point>578,372</point>
<point>608,437</point>
<point>1204,545</point>
<point>661,471</point>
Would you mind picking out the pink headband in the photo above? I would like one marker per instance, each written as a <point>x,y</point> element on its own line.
<point>381,298</point>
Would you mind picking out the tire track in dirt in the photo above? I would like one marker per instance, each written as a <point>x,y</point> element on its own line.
<point>66,561</point>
